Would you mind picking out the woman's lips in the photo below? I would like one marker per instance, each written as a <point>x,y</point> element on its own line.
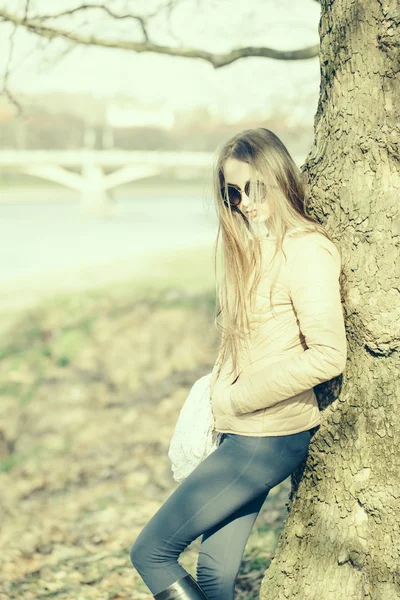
<point>252,213</point>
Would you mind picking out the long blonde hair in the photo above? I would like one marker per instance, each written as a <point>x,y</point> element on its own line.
<point>241,256</point>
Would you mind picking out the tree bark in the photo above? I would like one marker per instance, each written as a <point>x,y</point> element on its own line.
<point>342,534</point>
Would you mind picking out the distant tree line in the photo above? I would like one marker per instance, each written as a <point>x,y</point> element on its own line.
<point>42,129</point>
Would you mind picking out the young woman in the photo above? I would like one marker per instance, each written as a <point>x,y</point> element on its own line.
<point>282,333</point>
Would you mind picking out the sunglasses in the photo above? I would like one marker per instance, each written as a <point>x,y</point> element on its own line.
<point>252,189</point>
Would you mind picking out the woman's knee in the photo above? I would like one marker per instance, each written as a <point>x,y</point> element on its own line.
<point>134,554</point>
<point>140,550</point>
<point>149,549</point>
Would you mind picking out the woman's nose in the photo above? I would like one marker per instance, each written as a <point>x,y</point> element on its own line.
<point>245,200</point>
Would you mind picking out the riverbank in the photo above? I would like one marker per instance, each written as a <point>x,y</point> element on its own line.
<point>195,264</point>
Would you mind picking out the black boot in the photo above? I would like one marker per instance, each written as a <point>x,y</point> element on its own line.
<point>186,588</point>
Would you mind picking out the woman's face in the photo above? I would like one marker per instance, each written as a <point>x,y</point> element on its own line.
<point>237,172</point>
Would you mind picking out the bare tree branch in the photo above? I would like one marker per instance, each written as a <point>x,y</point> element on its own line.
<point>141,20</point>
<point>36,26</point>
<point>6,90</point>
<point>26,9</point>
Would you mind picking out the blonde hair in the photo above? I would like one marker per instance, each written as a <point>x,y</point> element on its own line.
<point>241,256</point>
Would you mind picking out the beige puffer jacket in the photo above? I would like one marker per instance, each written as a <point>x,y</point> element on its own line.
<point>301,346</point>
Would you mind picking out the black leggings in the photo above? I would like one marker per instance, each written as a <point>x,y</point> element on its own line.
<point>220,499</point>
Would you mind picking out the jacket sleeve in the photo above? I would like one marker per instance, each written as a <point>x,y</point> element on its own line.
<point>313,282</point>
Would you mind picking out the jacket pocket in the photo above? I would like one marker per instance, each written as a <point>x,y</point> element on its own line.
<point>220,402</point>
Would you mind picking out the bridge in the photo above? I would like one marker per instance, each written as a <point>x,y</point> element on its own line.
<point>91,181</point>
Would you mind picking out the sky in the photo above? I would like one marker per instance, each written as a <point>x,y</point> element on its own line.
<point>174,83</point>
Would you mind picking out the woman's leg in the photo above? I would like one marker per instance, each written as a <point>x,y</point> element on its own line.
<point>222,548</point>
<point>240,470</point>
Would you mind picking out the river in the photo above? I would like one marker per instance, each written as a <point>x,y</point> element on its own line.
<point>48,245</point>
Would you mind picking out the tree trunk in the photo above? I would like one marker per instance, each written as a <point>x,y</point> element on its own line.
<point>342,534</point>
